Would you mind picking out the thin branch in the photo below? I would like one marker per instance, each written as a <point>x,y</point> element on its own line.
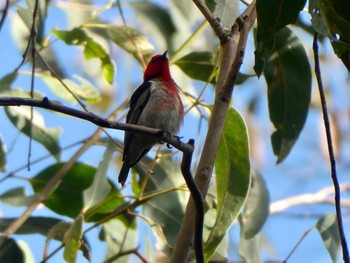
<point>4,13</point>
<point>97,120</point>
<point>198,202</point>
<point>334,176</point>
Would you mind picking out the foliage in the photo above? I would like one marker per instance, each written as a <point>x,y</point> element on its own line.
<point>90,58</point>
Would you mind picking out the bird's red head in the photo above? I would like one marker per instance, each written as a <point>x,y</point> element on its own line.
<point>158,67</point>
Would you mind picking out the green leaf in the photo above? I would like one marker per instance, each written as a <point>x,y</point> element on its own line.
<point>226,11</point>
<point>100,187</point>
<point>48,137</point>
<point>68,198</point>
<point>288,76</point>
<point>17,197</point>
<point>84,90</point>
<point>327,226</point>
<point>92,49</point>
<point>72,240</point>
<point>199,65</point>
<point>131,40</point>
<point>157,19</point>
<point>256,207</point>
<point>6,82</point>
<point>272,16</point>
<point>10,251</point>
<point>2,155</point>
<point>232,168</point>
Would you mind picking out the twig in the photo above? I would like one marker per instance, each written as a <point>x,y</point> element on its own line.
<point>4,13</point>
<point>332,161</point>
<point>198,202</point>
<point>99,121</point>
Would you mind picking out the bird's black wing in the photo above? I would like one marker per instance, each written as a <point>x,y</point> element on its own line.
<point>137,103</point>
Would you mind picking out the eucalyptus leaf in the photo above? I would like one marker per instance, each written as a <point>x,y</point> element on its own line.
<point>67,199</point>
<point>100,186</point>
<point>92,49</point>
<point>226,11</point>
<point>232,168</point>
<point>81,88</point>
<point>272,16</point>
<point>288,76</point>
<point>256,208</point>
<point>327,226</point>
<point>48,137</point>
<point>131,40</point>
<point>72,239</point>
<point>17,197</point>
<point>10,251</point>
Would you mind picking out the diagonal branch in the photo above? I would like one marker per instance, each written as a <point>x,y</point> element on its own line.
<point>233,47</point>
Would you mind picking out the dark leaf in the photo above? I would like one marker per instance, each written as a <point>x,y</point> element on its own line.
<point>272,16</point>
<point>10,251</point>
<point>288,76</point>
<point>256,208</point>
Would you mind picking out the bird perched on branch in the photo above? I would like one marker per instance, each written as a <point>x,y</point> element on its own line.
<point>156,104</point>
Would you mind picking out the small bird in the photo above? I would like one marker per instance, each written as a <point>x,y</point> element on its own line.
<point>156,104</point>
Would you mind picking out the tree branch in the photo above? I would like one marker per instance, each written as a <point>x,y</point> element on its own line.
<point>334,176</point>
<point>45,103</point>
<point>229,67</point>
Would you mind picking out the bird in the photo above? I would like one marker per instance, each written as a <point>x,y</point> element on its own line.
<point>156,104</point>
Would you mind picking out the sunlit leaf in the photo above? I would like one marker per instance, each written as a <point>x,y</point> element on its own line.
<point>100,186</point>
<point>81,87</point>
<point>26,15</point>
<point>158,19</point>
<point>68,198</point>
<point>131,40</point>
<point>92,49</point>
<point>272,16</point>
<point>17,197</point>
<point>6,82</point>
<point>119,237</point>
<point>256,207</point>
<point>226,11</point>
<point>10,251</point>
<point>232,168</point>
<point>288,76</point>
<point>327,226</point>
<point>48,137</point>
<point>72,240</point>
<point>249,249</point>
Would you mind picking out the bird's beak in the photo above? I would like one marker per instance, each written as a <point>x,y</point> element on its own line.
<point>164,55</point>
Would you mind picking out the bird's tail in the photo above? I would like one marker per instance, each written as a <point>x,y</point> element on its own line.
<point>123,175</point>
